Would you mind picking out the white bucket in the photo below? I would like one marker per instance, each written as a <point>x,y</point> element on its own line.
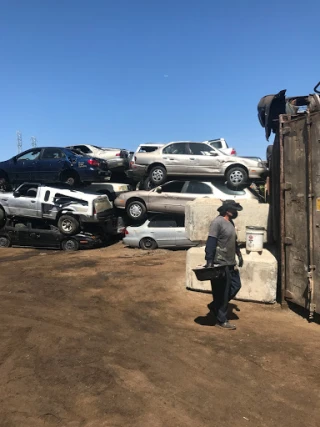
<point>254,239</point>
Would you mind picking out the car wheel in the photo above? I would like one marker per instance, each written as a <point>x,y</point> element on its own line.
<point>4,184</point>
<point>136,210</point>
<point>237,176</point>
<point>70,178</point>
<point>68,224</point>
<point>147,243</point>
<point>148,185</point>
<point>4,242</point>
<point>158,175</point>
<point>70,245</point>
<point>2,217</point>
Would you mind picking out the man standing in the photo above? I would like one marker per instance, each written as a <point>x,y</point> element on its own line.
<point>221,250</point>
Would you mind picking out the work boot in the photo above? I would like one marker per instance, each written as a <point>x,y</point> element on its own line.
<point>226,325</point>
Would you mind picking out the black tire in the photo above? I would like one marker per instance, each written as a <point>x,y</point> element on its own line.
<point>2,217</point>
<point>70,245</point>
<point>136,210</point>
<point>70,178</point>
<point>158,175</point>
<point>4,184</point>
<point>148,185</point>
<point>269,152</point>
<point>148,244</point>
<point>68,225</point>
<point>237,177</point>
<point>5,242</point>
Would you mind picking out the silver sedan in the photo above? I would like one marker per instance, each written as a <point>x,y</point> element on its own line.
<point>160,231</point>
<point>173,196</point>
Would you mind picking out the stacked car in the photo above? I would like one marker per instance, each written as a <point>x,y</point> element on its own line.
<point>70,191</point>
<point>51,196</point>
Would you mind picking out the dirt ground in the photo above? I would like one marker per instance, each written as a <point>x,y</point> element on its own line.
<point>110,337</point>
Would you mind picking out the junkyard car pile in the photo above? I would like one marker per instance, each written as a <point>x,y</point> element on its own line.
<point>65,198</point>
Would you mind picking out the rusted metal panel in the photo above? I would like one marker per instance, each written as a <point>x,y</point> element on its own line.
<point>293,207</point>
<point>315,202</point>
<point>299,183</point>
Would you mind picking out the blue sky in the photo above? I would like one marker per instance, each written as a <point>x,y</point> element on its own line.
<point>119,73</point>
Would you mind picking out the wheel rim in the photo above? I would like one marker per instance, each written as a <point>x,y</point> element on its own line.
<point>70,245</point>
<point>148,243</point>
<point>135,210</point>
<point>157,175</point>
<point>70,181</point>
<point>66,225</point>
<point>3,242</point>
<point>236,177</point>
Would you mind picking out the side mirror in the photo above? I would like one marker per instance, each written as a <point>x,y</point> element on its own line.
<point>159,190</point>
<point>16,194</point>
<point>213,153</point>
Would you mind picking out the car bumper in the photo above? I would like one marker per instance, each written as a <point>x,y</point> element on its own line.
<point>98,217</point>
<point>120,163</point>
<point>131,241</point>
<point>94,175</point>
<point>137,172</point>
<point>255,173</point>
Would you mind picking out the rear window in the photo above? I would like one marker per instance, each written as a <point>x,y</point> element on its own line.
<point>216,144</point>
<point>222,187</point>
<point>148,149</point>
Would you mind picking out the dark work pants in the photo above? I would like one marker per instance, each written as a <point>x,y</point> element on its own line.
<point>223,290</point>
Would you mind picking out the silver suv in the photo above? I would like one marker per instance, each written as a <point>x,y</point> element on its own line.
<point>197,159</point>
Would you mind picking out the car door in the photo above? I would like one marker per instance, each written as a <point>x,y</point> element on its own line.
<point>175,158</point>
<point>41,236</point>
<point>25,202</point>
<point>52,162</point>
<point>166,198</point>
<point>205,160</point>
<point>195,190</point>
<point>25,165</point>
<point>181,239</point>
<point>160,229</point>
<point>20,233</point>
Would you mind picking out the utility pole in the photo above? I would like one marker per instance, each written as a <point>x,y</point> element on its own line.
<point>33,141</point>
<point>19,141</point>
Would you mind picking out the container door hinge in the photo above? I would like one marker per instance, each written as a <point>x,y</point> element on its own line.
<point>288,241</point>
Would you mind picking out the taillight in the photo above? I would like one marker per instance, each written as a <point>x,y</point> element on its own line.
<point>233,152</point>
<point>93,162</point>
<point>125,232</point>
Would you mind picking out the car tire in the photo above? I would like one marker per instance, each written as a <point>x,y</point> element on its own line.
<point>70,245</point>
<point>70,178</point>
<point>5,242</point>
<point>147,185</point>
<point>269,152</point>
<point>2,217</point>
<point>136,210</point>
<point>148,244</point>
<point>4,184</point>
<point>237,177</point>
<point>68,225</point>
<point>158,175</point>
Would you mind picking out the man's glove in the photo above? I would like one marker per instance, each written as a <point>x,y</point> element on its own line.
<point>209,264</point>
<point>240,259</point>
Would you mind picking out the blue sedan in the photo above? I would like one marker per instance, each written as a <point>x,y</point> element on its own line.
<point>52,164</point>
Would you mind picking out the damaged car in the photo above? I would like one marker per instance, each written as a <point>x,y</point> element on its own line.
<point>39,234</point>
<point>66,208</point>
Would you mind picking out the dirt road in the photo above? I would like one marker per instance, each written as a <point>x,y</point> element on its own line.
<point>110,337</point>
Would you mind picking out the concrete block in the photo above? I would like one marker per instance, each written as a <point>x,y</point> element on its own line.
<point>200,213</point>
<point>259,275</point>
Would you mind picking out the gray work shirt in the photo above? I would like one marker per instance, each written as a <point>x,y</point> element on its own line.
<point>225,234</point>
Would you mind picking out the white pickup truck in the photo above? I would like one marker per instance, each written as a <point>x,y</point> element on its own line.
<point>64,207</point>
